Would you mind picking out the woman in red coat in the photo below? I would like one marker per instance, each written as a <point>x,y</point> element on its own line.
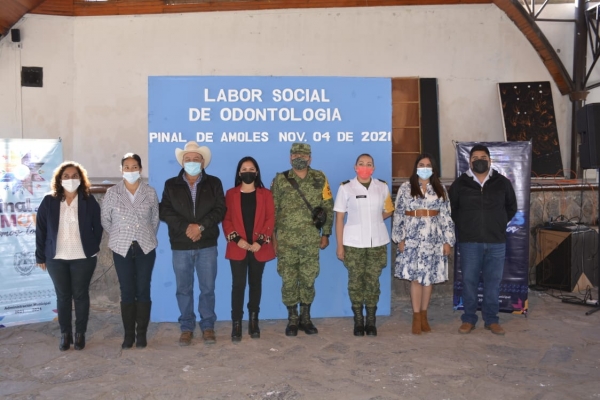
<point>248,226</point>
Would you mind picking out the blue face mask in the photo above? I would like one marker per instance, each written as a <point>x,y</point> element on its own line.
<point>192,168</point>
<point>424,173</point>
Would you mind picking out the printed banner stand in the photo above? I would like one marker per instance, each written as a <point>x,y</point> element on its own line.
<point>261,117</point>
<point>513,160</point>
<point>26,292</point>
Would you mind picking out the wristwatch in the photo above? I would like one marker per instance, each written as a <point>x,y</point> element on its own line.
<point>201,227</point>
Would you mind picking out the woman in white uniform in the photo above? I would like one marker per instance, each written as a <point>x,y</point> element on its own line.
<point>424,232</point>
<point>362,241</point>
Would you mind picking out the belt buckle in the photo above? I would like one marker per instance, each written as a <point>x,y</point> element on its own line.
<point>428,212</point>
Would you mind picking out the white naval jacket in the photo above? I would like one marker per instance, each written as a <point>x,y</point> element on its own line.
<point>364,226</point>
<point>125,221</point>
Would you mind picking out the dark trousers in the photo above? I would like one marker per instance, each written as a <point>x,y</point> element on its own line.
<point>71,280</point>
<point>135,273</point>
<point>239,270</point>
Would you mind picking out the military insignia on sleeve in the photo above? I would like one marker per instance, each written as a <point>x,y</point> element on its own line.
<point>327,191</point>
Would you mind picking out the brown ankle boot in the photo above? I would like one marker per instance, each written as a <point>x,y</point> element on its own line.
<point>416,326</point>
<point>424,324</point>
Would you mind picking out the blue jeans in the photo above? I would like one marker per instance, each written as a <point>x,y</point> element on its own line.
<point>71,280</point>
<point>487,260</point>
<point>135,272</point>
<point>204,261</point>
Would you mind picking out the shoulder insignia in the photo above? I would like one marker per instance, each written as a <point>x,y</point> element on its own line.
<point>343,183</point>
<point>381,180</point>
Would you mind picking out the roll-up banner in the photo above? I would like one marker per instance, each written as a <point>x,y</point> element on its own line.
<point>26,292</point>
<point>261,117</point>
<point>513,160</point>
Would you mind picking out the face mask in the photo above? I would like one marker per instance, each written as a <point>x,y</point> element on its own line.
<point>248,177</point>
<point>299,163</point>
<point>480,166</point>
<point>424,173</point>
<point>192,168</point>
<point>131,177</point>
<point>364,172</point>
<point>71,185</point>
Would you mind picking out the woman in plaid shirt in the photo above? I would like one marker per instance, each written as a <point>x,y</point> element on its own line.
<point>130,216</point>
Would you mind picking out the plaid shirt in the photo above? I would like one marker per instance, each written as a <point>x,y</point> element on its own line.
<point>125,221</point>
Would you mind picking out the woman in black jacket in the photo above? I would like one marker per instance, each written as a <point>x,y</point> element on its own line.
<point>68,235</point>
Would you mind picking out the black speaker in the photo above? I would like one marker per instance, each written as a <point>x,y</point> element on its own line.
<point>563,256</point>
<point>588,126</point>
<point>15,35</point>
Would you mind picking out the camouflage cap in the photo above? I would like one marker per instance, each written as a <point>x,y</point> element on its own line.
<point>300,148</point>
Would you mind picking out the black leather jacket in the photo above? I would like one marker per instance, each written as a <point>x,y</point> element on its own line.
<point>481,214</point>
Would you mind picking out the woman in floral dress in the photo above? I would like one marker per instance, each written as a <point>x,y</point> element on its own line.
<point>424,232</point>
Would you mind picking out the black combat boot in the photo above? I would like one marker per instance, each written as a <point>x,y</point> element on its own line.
<point>292,327</point>
<point>79,341</point>
<point>359,320</point>
<point>253,329</point>
<point>370,328</point>
<point>142,319</point>
<point>236,330</point>
<point>306,324</point>
<point>128,317</point>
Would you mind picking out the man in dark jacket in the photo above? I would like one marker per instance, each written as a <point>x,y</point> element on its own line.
<point>483,202</point>
<point>193,205</point>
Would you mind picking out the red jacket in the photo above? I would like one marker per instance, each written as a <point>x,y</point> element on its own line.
<point>264,222</point>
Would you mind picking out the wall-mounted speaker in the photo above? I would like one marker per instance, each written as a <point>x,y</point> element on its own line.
<point>15,35</point>
<point>588,126</point>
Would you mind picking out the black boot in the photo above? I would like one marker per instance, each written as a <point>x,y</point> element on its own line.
<point>65,341</point>
<point>142,319</point>
<point>370,328</point>
<point>292,327</point>
<point>359,320</point>
<point>253,329</point>
<point>79,341</point>
<point>128,317</point>
<point>306,324</point>
<point>236,331</point>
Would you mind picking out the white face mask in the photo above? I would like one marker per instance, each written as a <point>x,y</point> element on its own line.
<point>131,177</point>
<point>71,185</point>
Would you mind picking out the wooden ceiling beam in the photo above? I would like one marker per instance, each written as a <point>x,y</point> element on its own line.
<point>517,13</point>
<point>133,7</point>
<point>12,11</point>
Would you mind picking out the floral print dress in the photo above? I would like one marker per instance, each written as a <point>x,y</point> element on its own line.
<point>422,259</point>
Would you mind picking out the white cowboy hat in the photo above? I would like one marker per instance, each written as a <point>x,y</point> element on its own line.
<point>192,147</point>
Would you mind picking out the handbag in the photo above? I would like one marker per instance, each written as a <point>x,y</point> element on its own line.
<point>318,214</point>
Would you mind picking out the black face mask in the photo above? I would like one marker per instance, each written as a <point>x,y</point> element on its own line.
<point>248,177</point>
<point>480,166</point>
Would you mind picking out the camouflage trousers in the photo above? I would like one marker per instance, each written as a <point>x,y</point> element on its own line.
<point>298,268</point>
<point>364,267</point>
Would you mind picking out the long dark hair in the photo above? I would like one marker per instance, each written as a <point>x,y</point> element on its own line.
<point>415,190</point>
<point>56,184</point>
<point>238,180</point>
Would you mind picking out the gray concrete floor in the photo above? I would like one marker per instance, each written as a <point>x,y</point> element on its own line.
<point>553,353</point>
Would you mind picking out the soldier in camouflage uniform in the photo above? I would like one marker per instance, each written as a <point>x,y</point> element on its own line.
<point>362,242</point>
<point>297,241</point>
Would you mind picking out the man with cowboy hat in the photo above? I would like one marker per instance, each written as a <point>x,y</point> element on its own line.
<point>193,205</point>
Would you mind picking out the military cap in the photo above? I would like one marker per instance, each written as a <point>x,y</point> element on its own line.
<point>300,148</point>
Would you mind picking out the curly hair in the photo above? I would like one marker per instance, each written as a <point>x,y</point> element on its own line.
<point>57,187</point>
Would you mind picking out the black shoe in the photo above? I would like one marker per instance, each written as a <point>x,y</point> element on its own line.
<point>370,328</point>
<point>359,320</point>
<point>128,317</point>
<point>292,327</point>
<point>79,341</point>
<point>253,329</point>
<point>236,331</point>
<point>306,324</point>
<point>65,341</point>
<point>142,319</point>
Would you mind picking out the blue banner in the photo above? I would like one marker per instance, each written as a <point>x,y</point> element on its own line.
<point>261,117</point>
<point>26,292</point>
<point>513,160</point>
